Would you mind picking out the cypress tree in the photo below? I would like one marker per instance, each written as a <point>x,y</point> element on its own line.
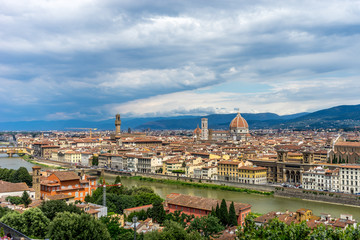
<point>232,215</point>
<point>217,211</point>
<point>224,214</point>
<point>213,213</point>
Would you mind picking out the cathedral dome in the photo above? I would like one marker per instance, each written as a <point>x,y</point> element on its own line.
<point>197,130</point>
<point>238,122</point>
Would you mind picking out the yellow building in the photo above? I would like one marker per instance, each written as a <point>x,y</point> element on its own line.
<point>252,174</point>
<point>228,170</point>
<point>170,165</point>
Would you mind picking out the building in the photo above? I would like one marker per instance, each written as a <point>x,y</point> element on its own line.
<point>200,207</point>
<point>321,179</point>
<point>69,183</point>
<point>350,179</point>
<point>117,125</point>
<point>228,170</point>
<point>239,129</point>
<point>345,152</point>
<point>252,175</point>
<point>204,129</point>
<point>15,189</point>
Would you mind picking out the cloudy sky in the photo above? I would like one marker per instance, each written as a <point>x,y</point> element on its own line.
<point>91,59</point>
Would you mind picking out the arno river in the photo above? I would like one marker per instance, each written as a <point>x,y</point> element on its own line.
<point>260,203</point>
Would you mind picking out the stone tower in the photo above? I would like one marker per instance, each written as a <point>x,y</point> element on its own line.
<point>117,124</point>
<point>204,129</point>
<point>36,181</point>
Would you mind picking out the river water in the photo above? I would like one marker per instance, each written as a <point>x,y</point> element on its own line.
<point>260,203</point>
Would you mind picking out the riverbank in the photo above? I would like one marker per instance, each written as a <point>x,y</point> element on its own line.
<point>200,185</point>
<point>42,164</point>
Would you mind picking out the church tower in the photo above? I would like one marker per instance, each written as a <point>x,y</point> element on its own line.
<point>204,129</point>
<point>117,125</point>
<point>36,181</point>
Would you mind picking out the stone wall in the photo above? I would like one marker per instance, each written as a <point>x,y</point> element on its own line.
<point>340,198</point>
<point>258,187</point>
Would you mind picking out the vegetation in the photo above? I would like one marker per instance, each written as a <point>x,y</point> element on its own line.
<point>116,232</point>
<point>51,208</point>
<point>32,222</point>
<point>172,231</point>
<point>119,198</point>
<point>202,185</point>
<point>95,160</point>
<point>25,198</point>
<point>16,176</point>
<point>279,230</point>
<point>77,226</point>
<point>209,226</point>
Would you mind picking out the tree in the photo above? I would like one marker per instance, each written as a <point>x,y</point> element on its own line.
<point>25,198</point>
<point>208,225</point>
<point>14,200</point>
<point>172,231</point>
<point>116,232</point>
<point>2,233</point>
<point>51,208</point>
<point>232,215</point>
<point>32,222</point>
<point>117,180</point>
<point>224,214</point>
<point>74,226</point>
<point>95,160</point>
<point>21,175</point>
<point>158,212</point>
<point>217,211</point>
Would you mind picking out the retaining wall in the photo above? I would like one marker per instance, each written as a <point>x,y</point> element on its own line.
<point>340,198</point>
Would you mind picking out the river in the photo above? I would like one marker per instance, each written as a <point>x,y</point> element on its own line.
<point>260,203</point>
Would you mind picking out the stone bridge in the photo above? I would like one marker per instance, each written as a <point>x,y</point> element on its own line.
<point>10,151</point>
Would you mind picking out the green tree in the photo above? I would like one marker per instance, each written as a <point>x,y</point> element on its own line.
<point>158,212</point>
<point>25,198</point>
<point>116,232</point>
<point>74,226</point>
<point>51,208</point>
<point>172,231</point>
<point>95,160</point>
<point>21,175</point>
<point>208,225</point>
<point>232,215</point>
<point>2,233</point>
<point>217,211</point>
<point>14,200</point>
<point>117,180</point>
<point>224,214</point>
<point>32,222</point>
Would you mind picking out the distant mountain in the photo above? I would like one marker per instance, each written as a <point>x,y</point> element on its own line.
<point>346,116</point>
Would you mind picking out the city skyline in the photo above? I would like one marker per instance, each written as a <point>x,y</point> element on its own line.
<point>92,59</point>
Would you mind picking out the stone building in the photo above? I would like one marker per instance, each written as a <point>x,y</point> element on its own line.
<point>345,152</point>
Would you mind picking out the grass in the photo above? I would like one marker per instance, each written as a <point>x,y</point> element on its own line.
<point>28,159</point>
<point>201,185</point>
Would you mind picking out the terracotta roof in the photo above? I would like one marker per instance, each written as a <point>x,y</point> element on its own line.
<point>201,203</point>
<point>66,176</point>
<point>239,122</point>
<point>12,187</point>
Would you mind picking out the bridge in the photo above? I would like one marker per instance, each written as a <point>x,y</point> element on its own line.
<point>10,151</point>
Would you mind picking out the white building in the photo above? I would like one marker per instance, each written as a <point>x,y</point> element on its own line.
<point>350,179</point>
<point>321,179</point>
<point>15,189</point>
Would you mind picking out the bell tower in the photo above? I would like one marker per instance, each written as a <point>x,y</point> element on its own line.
<point>117,124</point>
<point>36,181</point>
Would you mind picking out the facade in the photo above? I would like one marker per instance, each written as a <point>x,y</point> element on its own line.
<point>345,152</point>
<point>350,179</point>
<point>68,183</point>
<point>117,124</point>
<point>228,170</point>
<point>144,164</point>
<point>239,129</point>
<point>204,129</point>
<point>199,206</point>
<point>321,179</point>
<point>252,174</point>
<point>15,189</point>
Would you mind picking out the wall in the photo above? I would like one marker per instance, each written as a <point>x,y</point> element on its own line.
<point>341,198</point>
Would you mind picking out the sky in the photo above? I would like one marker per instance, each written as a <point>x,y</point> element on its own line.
<point>91,59</point>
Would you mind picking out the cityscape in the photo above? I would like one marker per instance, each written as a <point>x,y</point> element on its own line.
<point>179,120</point>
